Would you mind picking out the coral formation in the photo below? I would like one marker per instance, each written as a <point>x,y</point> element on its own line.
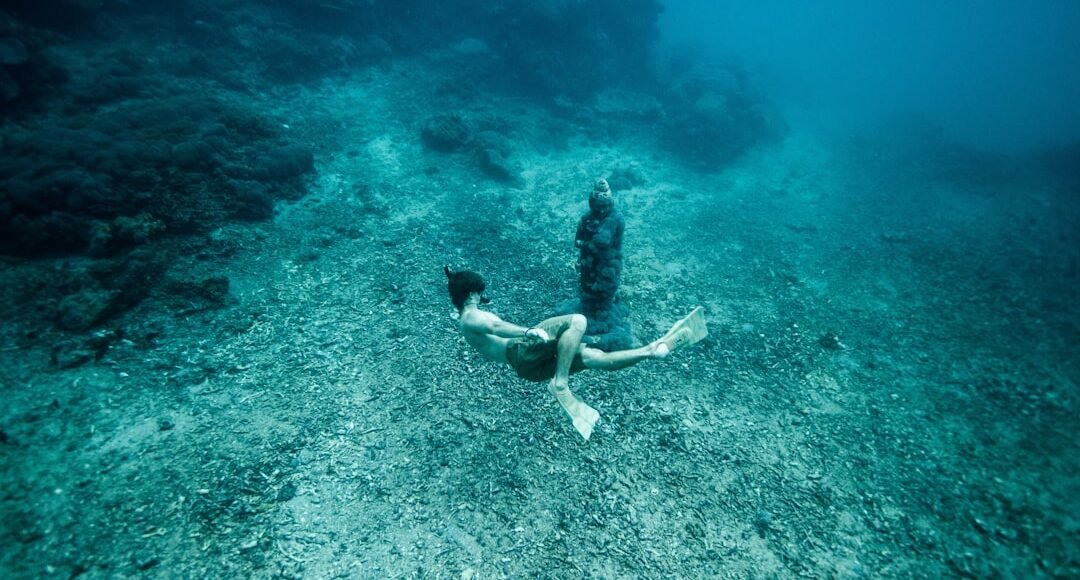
<point>491,150</point>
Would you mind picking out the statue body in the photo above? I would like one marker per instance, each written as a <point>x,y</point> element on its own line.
<point>599,242</point>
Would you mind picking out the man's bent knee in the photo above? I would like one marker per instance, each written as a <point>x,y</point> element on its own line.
<point>578,322</point>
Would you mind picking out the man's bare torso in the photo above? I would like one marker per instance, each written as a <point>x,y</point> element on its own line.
<point>472,323</point>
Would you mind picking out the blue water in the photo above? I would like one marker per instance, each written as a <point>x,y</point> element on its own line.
<point>228,231</point>
<point>1000,75</point>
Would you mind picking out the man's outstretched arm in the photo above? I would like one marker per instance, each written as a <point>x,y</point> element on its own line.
<point>489,323</point>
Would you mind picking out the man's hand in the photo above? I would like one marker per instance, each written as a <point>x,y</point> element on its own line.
<point>537,333</point>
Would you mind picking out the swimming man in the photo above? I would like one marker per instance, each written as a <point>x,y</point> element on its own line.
<point>552,350</point>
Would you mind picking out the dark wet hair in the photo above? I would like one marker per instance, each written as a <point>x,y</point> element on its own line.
<point>461,284</point>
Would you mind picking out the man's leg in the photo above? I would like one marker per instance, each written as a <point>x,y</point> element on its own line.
<point>687,331</point>
<point>569,345</point>
<point>596,359</point>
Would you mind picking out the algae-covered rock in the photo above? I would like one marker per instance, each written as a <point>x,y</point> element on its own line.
<point>498,166</point>
<point>446,132</point>
<point>494,155</point>
<point>200,294</point>
<point>83,310</point>
<point>124,232</point>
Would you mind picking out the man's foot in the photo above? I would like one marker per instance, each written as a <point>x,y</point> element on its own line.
<point>689,330</point>
<point>584,416</point>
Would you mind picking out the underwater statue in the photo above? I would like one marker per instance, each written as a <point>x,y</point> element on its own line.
<point>600,260</point>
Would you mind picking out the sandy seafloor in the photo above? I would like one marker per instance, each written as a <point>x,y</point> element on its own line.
<point>328,421</point>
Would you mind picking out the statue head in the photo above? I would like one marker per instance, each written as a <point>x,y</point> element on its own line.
<point>601,200</point>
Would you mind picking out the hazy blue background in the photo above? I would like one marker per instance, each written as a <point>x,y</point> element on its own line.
<point>1000,74</point>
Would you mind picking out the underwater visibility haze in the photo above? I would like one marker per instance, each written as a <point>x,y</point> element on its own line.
<point>997,75</point>
<point>539,289</point>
